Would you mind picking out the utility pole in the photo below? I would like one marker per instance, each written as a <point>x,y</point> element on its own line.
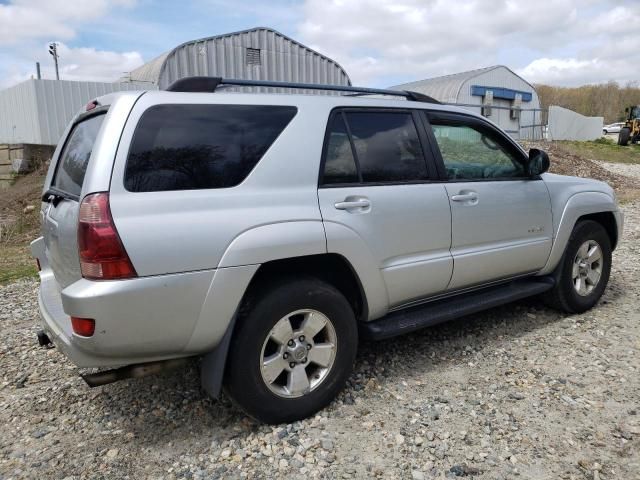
<point>53,51</point>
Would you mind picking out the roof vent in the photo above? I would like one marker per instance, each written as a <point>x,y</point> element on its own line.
<point>253,56</point>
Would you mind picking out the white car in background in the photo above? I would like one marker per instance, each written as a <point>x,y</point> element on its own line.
<point>612,128</point>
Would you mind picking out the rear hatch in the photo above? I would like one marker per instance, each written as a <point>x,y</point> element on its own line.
<point>62,197</point>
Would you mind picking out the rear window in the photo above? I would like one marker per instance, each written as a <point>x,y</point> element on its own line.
<point>74,158</point>
<point>187,147</point>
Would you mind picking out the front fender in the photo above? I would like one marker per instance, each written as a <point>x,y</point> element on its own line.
<point>578,205</point>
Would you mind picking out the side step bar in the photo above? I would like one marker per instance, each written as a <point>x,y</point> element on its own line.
<point>438,311</point>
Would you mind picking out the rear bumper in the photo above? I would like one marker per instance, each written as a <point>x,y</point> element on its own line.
<point>138,320</point>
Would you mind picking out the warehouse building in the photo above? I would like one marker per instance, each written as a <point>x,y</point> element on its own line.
<point>496,92</point>
<point>35,113</point>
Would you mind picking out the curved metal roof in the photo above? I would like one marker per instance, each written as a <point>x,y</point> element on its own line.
<point>150,71</point>
<point>447,88</point>
<point>153,69</point>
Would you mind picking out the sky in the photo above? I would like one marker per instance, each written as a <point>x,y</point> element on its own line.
<point>379,42</point>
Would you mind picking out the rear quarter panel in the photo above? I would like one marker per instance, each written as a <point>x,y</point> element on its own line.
<point>180,231</point>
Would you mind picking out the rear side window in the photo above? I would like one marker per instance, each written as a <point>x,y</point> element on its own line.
<point>386,145</point>
<point>340,165</point>
<point>187,147</point>
<point>72,165</point>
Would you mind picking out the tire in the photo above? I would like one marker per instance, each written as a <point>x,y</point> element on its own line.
<point>565,296</point>
<point>624,136</point>
<point>604,132</point>
<point>292,303</point>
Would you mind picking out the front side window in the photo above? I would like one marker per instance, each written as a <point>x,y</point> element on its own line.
<point>188,147</point>
<point>471,152</point>
<point>386,145</point>
<point>72,165</point>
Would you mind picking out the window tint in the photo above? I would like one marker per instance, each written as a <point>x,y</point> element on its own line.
<point>339,166</point>
<point>387,146</point>
<point>74,158</point>
<point>470,152</point>
<point>185,147</point>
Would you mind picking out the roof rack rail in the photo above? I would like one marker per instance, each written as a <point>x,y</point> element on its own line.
<point>210,84</point>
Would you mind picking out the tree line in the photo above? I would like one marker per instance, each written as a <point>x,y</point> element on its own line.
<point>606,100</point>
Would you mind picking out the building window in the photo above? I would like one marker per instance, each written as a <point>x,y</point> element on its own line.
<point>253,56</point>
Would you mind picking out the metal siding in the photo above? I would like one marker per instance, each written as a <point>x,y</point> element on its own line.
<point>42,109</point>
<point>503,77</point>
<point>281,60</point>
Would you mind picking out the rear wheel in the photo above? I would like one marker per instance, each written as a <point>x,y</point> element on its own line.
<point>293,351</point>
<point>624,136</point>
<point>584,270</point>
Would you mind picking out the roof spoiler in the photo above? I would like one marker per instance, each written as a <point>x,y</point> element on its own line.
<point>210,84</point>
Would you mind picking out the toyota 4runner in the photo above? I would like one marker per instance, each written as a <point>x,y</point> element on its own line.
<point>266,233</point>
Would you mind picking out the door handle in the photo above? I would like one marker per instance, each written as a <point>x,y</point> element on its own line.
<point>465,197</point>
<point>349,204</point>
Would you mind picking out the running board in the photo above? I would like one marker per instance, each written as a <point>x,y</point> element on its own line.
<point>438,311</point>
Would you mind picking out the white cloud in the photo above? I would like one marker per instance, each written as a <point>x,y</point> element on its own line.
<point>92,64</point>
<point>50,19</point>
<point>75,64</point>
<point>28,26</point>
<point>563,41</point>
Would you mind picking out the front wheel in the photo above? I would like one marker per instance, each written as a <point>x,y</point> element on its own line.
<point>584,270</point>
<point>624,136</point>
<point>292,352</point>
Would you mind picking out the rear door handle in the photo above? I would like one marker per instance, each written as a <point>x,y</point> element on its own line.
<point>465,197</point>
<point>351,204</point>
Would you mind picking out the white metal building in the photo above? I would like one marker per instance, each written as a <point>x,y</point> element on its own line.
<point>256,54</point>
<point>38,111</point>
<point>497,92</point>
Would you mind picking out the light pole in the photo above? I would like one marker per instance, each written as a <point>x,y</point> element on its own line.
<point>53,51</point>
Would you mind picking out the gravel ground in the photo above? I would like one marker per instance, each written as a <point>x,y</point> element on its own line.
<point>518,391</point>
<point>627,169</point>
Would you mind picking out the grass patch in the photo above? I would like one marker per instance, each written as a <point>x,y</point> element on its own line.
<point>16,263</point>
<point>602,149</point>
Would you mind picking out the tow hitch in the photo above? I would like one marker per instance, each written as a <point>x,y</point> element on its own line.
<point>43,339</point>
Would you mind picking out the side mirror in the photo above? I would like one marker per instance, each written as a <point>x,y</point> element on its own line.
<point>626,110</point>
<point>538,162</point>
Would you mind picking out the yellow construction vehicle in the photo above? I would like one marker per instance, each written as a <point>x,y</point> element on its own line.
<point>631,130</point>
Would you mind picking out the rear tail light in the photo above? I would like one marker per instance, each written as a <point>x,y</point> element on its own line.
<point>102,255</point>
<point>83,326</point>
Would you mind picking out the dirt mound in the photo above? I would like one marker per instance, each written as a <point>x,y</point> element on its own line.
<point>565,163</point>
<point>17,225</point>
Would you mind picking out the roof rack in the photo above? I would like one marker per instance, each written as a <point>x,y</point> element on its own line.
<point>210,84</point>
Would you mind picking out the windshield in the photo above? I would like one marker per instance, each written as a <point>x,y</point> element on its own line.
<point>635,112</point>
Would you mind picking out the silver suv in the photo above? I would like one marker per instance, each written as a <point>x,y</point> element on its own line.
<point>266,233</point>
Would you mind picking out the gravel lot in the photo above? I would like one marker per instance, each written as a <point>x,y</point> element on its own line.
<point>517,391</point>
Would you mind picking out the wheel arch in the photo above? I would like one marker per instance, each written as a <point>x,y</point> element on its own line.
<point>597,206</point>
<point>330,267</point>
